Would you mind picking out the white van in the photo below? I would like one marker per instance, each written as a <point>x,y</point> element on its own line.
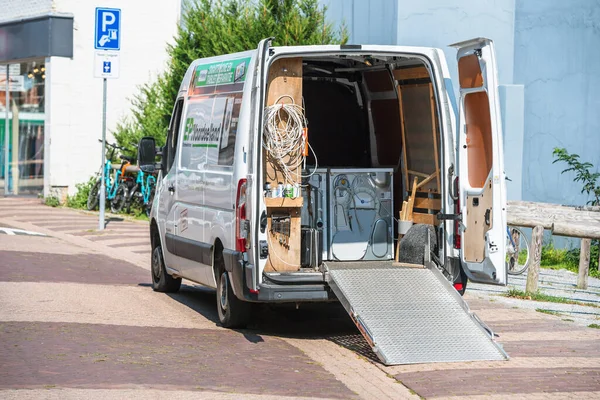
<point>382,150</point>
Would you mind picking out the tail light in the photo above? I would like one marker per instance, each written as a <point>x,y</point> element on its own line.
<point>458,286</point>
<point>457,240</point>
<point>241,223</point>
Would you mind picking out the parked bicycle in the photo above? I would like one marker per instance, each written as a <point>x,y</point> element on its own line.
<point>114,191</point>
<point>517,251</point>
<point>141,191</point>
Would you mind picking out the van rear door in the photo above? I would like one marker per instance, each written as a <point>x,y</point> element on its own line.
<point>481,164</point>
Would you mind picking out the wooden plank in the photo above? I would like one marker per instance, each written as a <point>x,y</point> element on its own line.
<point>421,174</point>
<point>411,73</point>
<point>285,79</point>
<point>425,202</point>
<point>427,180</point>
<point>435,142</point>
<point>284,202</point>
<point>561,220</point>
<point>403,131</point>
<point>411,199</point>
<point>534,268</point>
<point>584,264</point>
<point>421,218</point>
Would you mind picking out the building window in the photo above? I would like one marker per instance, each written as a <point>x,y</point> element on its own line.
<point>26,118</point>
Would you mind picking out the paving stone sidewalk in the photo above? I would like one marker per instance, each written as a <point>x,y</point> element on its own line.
<point>551,356</point>
<point>119,231</point>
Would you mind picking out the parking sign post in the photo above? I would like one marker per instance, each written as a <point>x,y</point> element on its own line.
<point>107,43</point>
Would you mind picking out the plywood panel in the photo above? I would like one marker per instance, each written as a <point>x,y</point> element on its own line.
<point>411,73</point>
<point>284,254</point>
<point>285,79</point>
<point>421,133</point>
<point>474,236</point>
<point>469,72</point>
<point>479,138</point>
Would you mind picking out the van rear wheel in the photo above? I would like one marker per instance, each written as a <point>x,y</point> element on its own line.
<point>233,312</point>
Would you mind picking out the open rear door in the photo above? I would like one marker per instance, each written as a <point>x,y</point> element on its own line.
<point>481,164</point>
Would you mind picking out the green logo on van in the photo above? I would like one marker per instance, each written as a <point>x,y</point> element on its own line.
<point>189,128</point>
<point>222,73</point>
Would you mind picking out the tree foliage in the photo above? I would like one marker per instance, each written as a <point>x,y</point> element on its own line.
<point>589,180</point>
<point>215,27</point>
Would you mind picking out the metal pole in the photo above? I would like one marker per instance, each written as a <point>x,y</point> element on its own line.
<point>102,185</point>
<point>6,134</point>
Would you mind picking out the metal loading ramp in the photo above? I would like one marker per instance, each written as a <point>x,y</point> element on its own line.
<point>411,315</point>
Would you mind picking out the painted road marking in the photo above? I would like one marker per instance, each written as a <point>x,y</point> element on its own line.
<point>13,232</point>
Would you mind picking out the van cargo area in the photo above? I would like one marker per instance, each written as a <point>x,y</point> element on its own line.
<point>372,158</point>
<point>352,203</point>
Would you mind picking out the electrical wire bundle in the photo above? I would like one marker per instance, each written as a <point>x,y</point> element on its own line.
<point>284,138</point>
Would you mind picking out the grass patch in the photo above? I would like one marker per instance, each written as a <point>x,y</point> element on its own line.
<point>553,258</point>
<point>549,312</point>
<point>537,296</point>
<point>52,201</point>
<point>595,326</point>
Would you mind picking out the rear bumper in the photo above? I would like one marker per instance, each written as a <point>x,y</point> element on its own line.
<point>283,290</point>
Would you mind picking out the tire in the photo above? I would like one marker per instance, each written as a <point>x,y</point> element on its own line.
<point>93,196</point>
<point>517,257</point>
<point>117,204</point>
<point>233,312</point>
<point>161,280</point>
<point>148,206</point>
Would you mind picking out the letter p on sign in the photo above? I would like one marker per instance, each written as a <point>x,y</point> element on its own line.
<point>108,18</point>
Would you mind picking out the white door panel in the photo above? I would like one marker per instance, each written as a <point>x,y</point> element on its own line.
<point>480,160</point>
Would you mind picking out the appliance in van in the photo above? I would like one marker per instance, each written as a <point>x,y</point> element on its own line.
<point>314,218</point>
<point>360,219</point>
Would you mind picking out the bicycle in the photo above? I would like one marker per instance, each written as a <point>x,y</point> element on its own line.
<point>143,189</point>
<point>113,190</point>
<point>517,251</point>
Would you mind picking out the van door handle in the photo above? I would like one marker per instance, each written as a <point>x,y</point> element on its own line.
<point>171,188</point>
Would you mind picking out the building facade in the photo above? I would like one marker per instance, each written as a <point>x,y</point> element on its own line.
<point>54,111</point>
<point>548,71</point>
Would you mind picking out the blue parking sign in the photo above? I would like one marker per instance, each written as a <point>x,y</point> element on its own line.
<point>108,29</point>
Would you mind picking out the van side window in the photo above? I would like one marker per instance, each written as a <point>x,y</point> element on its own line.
<point>210,130</point>
<point>173,134</point>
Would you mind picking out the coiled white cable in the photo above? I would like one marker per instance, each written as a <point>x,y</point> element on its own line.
<point>284,137</point>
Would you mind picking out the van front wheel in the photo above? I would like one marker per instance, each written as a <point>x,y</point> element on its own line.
<point>161,280</point>
<point>233,312</point>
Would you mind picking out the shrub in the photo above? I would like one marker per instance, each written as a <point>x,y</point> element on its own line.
<point>52,201</point>
<point>79,200</point>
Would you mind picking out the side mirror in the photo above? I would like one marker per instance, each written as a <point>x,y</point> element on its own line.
<point>147,154</point>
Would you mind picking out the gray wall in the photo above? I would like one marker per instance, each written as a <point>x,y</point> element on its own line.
<point>368,22</point>
<point>557,58</point>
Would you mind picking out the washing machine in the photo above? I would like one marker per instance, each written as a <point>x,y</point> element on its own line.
<point>360,214</point>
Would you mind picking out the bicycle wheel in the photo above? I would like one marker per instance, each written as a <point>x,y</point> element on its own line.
<point>517,251</point>
<point>118,202</point>
<point>149,204</point>
<point>93,196</point>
